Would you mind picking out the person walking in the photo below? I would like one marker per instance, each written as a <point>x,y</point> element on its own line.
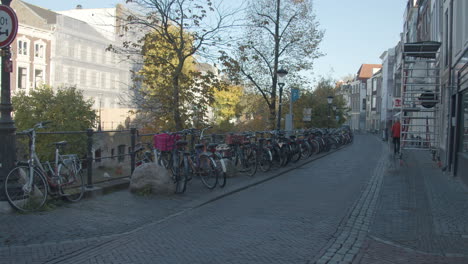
<point>396,136</point>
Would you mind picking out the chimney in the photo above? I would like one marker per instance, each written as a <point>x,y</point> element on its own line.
<point>79,7</point>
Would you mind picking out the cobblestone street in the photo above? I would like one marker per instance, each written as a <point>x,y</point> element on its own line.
<point>352,206</point>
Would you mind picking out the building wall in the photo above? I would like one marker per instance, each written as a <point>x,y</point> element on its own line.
<point>31,61</point>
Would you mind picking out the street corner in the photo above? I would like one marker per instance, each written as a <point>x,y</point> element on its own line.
<point>376,251</point>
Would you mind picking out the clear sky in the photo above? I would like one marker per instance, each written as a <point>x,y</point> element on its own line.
<point>356,31</point>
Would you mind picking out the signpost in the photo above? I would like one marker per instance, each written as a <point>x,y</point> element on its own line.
<point>8,30</point>
<point>8,25</point>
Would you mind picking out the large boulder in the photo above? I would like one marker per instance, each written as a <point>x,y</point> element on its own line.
<point>152,178</point>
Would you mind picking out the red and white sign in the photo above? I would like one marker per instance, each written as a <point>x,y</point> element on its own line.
<point>396,102</point>
<point>8,25</point>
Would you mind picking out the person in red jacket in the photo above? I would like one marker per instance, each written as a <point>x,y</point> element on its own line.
<point>396,136</point>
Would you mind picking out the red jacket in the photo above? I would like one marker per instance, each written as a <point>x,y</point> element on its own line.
<point>396,130</point>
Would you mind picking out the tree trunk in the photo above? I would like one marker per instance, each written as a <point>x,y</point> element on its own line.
<point>272,117</point>
<point>176,112</point>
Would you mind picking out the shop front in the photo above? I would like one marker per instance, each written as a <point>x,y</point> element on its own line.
<point>462,148</point>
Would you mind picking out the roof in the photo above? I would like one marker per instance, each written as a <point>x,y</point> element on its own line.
<point>48,15</point>
<point>367,70</point>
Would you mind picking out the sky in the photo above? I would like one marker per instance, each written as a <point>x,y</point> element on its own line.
<point>356,31</point>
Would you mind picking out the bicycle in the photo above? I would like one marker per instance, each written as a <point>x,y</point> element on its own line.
<point>28,184</point>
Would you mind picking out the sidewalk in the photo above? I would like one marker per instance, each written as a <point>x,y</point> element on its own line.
<point>103,216</point>
<point>421,215</point>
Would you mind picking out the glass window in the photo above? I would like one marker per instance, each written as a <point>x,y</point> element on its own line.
<point>22,47</point>
<point>22,78</point>
<point>464,124</point>
<point>38,78</point>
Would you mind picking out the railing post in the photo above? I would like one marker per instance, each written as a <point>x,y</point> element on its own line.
<point>132,153</point>
<point>89,157</point>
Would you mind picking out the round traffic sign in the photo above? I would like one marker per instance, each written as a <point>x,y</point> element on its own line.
<point>8,25</point>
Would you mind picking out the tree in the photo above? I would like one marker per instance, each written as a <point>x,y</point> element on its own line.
<point>226,102</point>
<point>317,100</point>
<point>181,29</point>
<point>66,108</point>
<point>156,94</point>
<point>279,33</point>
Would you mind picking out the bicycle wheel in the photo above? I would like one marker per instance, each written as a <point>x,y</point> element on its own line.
<point>305,149</point>
<point>207,171</point>
<point>71,184</point>
<point>250,161</point>
<point>284,155</point>
<point>181,170</point>
<point>164,159</point>
<point>221,170</point>
<point>265,160</point>
<point>295,153</point>
<point>20,195</point>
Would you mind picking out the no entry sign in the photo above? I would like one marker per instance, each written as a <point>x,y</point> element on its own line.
<point>8,25</point>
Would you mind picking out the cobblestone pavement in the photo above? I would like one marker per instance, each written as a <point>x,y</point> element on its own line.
<point>421,216</point>
<point>288,219</point>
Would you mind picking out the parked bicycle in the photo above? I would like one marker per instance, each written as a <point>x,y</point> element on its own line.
<point>28,184</point>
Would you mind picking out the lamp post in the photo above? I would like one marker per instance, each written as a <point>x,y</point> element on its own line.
<point>330,101</point>
<point>7,124</point>
<point>100,113</point>
<point>281,74</point>
<point>334,112</point>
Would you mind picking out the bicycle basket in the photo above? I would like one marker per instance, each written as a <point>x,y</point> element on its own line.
<point>165,142</point>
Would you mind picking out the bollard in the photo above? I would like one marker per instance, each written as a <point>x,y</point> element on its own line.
<point>132,153</point>
<point>89,157</point>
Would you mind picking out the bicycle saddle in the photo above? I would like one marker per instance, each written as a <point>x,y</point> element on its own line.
<point>61,143</point>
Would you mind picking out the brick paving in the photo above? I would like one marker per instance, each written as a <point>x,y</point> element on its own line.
<point>285,220</point>
<point>353,206</point>
<point>421,216</point>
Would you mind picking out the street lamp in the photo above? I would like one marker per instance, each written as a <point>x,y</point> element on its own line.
<point>7,124</point>
<point>330,101</point>
<point>281,73</point>
<point>100,113</point>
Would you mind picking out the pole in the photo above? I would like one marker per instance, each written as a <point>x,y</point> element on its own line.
<point>328,123</point>
<point>7,124</point>
<point>290,112</point>
<point>275,77</point>
<point>278,125</point>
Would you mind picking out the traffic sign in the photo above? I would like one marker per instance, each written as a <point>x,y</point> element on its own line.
<point>8,25</point>
<point>295,94</point>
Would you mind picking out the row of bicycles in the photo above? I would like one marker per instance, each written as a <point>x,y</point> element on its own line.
<point>211,158</point>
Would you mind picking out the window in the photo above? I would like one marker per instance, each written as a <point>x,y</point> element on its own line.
<point>97,155</point>
<point>22,47</point>
<point>364,104</point>
<point>83,53</point>
<point>83,77</point>
<point>103,80</point>
<point>113,153</point>
<point>38,78</point>
<point>121,153</point>
<point>71,76</point>
<point>374,84</point>
<point>22,78</point>
<point>94,79</point>
<point>39,50</point>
